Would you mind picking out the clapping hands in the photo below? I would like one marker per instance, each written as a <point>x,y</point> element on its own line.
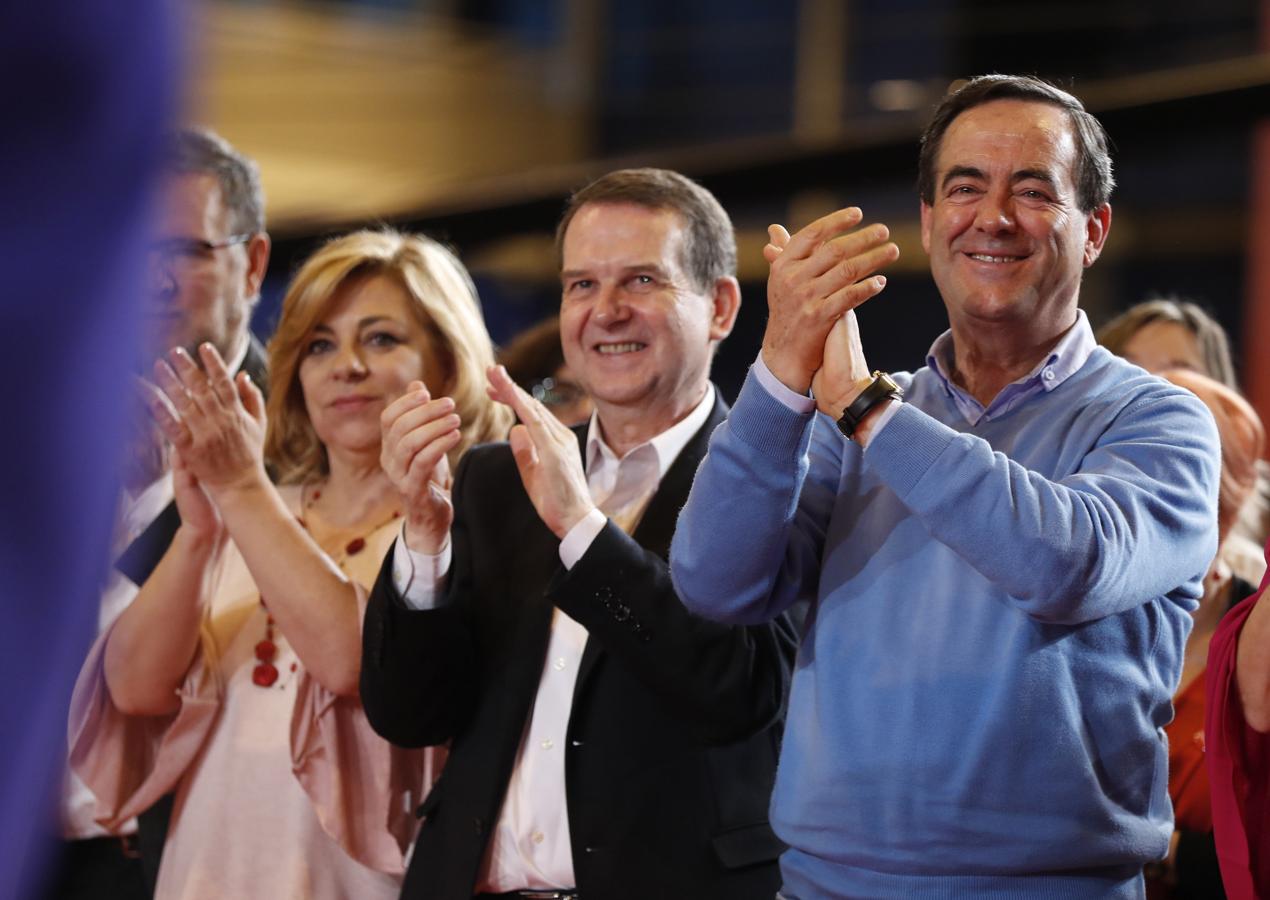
<point>216,426</point>
<point>817,279</point>
<point>546,453</point>
<point>418,432</point>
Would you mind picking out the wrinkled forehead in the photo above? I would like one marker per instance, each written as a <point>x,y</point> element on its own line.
<point>1010,135</point>
<point>623,234</point>
<point>191,205</point>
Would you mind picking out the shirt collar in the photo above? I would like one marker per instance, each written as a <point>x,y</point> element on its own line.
<point>1062,362</point>
<point>666,446</point>
<point>233,365</point>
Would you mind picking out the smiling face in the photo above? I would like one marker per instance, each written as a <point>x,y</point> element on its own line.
<point>636,333</point>
<point>1006,239</point>
<point>359,358</point>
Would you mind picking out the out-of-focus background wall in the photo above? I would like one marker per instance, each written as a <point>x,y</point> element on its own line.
<point>472,119</point>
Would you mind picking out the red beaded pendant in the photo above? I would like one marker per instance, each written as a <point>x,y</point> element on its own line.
<point>265,673</point>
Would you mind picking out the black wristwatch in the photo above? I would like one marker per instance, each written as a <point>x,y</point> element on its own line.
<point>880,389</point>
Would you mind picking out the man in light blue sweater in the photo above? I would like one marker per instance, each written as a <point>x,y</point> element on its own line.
<point>999,562</point>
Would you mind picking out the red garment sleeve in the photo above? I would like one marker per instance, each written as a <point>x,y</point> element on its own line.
<point>1238,767</point>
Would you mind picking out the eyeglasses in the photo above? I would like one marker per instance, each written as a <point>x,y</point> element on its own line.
<point>182,252</point>
<point>550,392</point>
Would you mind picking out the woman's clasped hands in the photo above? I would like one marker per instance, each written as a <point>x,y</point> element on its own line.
<point>216,426</point>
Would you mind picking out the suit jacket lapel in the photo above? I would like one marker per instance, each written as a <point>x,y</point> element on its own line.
<point>592,648</point>
<point>144,553</point>
<point>657,525</point>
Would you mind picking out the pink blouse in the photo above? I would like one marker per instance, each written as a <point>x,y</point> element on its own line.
<point>282,791</point>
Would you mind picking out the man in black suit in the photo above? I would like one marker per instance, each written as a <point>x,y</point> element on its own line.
<point>207,263</point>
<point>605,744</point>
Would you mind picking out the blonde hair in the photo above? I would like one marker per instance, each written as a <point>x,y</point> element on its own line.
<point>445,303</point>
<point>1242,439</point>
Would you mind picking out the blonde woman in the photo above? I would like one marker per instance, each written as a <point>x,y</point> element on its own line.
<point>232,678</point>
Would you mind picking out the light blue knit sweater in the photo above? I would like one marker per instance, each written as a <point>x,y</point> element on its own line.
<point>995,629</point>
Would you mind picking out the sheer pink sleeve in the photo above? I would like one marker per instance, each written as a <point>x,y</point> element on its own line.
<point>129,762</point>
<point>364,790</point>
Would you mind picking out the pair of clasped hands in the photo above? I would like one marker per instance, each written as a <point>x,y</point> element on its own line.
<point>817,279</point>
<point>215,423</point>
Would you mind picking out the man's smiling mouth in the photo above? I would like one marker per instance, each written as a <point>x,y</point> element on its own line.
<point>988,258</point>
<point>614,349</point>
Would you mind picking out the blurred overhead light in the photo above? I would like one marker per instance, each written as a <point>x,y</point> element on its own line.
<point>898,95</point>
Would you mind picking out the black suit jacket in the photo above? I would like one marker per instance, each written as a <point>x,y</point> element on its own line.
<point>673,734</point>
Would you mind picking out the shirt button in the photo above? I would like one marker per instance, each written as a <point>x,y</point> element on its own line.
<point>559,663</point>
<point>1048,374</point>
<point>539,837</point>
<point>548,743</point>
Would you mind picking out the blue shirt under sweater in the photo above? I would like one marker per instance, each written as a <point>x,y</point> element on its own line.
<point>997,613</point>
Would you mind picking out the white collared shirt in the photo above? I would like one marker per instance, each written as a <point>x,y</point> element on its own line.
<point>530,846</point>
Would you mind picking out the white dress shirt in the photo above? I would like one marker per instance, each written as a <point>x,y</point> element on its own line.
<point>530,846</point>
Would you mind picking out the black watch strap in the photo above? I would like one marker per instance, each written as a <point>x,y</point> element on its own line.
<point>880,389</point>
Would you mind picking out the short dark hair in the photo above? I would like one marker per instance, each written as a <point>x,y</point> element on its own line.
<point>709,251</point>
<point>1093,176</point>
<point>199,151</point>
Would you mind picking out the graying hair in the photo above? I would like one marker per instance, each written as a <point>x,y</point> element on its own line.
<point>709,247</point>
<point>193,151</point>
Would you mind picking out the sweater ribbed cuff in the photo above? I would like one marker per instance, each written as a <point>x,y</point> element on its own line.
<point>769,427</point>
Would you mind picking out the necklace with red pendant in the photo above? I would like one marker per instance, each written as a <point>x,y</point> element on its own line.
<point>265,673</point>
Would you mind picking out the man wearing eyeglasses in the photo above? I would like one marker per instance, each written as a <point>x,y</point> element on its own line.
<point>207,263</point>
<point>210,251</point>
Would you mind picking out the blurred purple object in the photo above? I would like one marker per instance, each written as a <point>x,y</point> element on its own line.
<point>86,89</point>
